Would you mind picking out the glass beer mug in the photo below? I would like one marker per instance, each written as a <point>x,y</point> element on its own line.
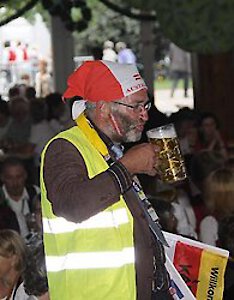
<point>171,167</point>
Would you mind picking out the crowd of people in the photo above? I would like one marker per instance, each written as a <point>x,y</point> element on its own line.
<point>22,63</point>
<point>88,173</point>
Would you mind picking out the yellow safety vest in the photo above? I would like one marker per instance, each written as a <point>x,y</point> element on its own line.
<point>95,259</point>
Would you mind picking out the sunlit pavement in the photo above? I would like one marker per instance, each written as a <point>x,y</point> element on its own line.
<point>168,105</point>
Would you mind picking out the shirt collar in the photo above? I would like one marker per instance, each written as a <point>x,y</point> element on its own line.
<point>8,197</point>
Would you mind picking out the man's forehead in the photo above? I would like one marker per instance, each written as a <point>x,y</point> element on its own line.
<point>15,169</point>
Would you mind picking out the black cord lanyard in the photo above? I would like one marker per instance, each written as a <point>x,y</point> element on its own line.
<point>149,213</point>
<point>144,203</point>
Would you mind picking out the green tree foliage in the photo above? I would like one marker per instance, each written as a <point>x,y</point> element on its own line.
<point>107,25</point>
<point>202,26</point>
<point>11,7</point>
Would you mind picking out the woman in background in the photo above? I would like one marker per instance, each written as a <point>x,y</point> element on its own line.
<point>12,263</point>
<point>219,200</point>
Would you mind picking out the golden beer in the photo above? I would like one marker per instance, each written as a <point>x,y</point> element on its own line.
<point>171,167</point>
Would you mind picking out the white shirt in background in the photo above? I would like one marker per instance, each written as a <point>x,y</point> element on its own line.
<point>209,231</point>
<point>109,54</point>
<point>185,215</point>
<point>21,294</point>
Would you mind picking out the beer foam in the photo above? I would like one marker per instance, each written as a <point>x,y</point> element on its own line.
<point>162,132</point>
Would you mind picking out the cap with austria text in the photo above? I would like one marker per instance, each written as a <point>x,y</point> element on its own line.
<point>104,81</point>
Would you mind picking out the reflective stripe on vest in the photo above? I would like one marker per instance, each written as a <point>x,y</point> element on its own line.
<point>90,260</point>
<point>101,220</point>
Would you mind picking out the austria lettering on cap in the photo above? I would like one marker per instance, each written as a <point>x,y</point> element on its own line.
<point>104,81</point>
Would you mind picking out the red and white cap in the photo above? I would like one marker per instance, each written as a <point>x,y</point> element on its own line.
<point>104,81</point>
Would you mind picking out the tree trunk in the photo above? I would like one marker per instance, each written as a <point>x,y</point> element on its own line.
<point>63,52</point>
<point>147,53</point>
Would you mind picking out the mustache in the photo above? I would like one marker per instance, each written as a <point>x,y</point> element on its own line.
<point>133,126</point>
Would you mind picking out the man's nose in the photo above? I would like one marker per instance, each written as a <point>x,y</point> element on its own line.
<point>144,114</point>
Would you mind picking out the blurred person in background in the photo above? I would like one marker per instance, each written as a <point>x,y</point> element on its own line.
<point>12,263</point>
<point>16,138</point>
<point>218,197</point>
<point>180,68</point>
<point>8,59</point>
<point>21,59</point>
<point>13,92</point>
<point>30,93</point>
<point>109,52</point>
<point>125,55</point>
<point>184,213</point>
<point>33,61</point>
<point>43,80</point>
<point>210,136</point>
<point>55,111</point>
<point>200,167</point>
<point>185,121</point>
<point>25,80</point>
<point>16,193</point>
<point>41,131</point>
